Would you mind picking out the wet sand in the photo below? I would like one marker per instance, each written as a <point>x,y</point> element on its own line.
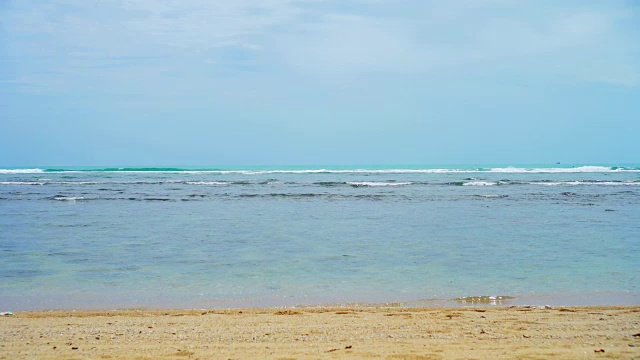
<point>310,333</point>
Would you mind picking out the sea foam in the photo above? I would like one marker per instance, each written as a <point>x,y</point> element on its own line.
<point>575,169</point>
<point>480,183</point>
<point>21,171</point>
<point>373,184</point>
<point>21,183</point>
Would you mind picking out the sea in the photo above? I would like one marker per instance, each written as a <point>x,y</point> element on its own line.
<point>79,238</point>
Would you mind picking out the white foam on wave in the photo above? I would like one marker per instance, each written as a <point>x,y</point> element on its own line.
<point>480,183</point>
<point>372,183</point>
<point>344,171</point>
<point>507,170</point>
<point>207,183</point>
<point>575,183</point>
<point>74,183</point>
<point>580,169</point>
<point>21,171</point>
<point>21,183</point>
<point>68,198</point>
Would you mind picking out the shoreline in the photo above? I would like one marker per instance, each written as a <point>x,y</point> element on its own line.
<point>327,332</point>
<point>100,303</point>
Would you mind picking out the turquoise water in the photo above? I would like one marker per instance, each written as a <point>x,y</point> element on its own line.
<point>186,237</point>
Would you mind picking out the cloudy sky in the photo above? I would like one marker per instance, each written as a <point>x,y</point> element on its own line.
<point>224,82</point>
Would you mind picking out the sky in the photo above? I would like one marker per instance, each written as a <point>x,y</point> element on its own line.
<point>310,82</point>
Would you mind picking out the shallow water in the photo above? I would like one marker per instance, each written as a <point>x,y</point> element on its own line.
<point>275,236</point>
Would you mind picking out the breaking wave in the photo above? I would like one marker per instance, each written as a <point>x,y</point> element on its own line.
<point>573,169</point>
<point>375,184</point>
<point>21,171</point>
<point>355,184</point>
<point>68,198</point>
<point>480,183</point>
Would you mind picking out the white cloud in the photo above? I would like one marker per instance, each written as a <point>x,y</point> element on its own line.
<point>315,38</point>
<point>466,35</point>
<point>353,44</point>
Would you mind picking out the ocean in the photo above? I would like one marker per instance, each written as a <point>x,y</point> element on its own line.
<point>107,238</point>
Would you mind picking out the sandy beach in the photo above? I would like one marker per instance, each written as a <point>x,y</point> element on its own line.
<point>308,333</point>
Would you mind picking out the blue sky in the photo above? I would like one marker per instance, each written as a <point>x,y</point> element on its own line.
<point>141,82</point>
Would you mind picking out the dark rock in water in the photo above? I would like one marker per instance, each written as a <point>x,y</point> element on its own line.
<point>609,210</point>
<point>568,193</point>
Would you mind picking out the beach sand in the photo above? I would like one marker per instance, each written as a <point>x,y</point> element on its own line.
<point>344,333</point>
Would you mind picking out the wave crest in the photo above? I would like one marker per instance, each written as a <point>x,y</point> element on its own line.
<point>221,171</point>
<point>21,171</point>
